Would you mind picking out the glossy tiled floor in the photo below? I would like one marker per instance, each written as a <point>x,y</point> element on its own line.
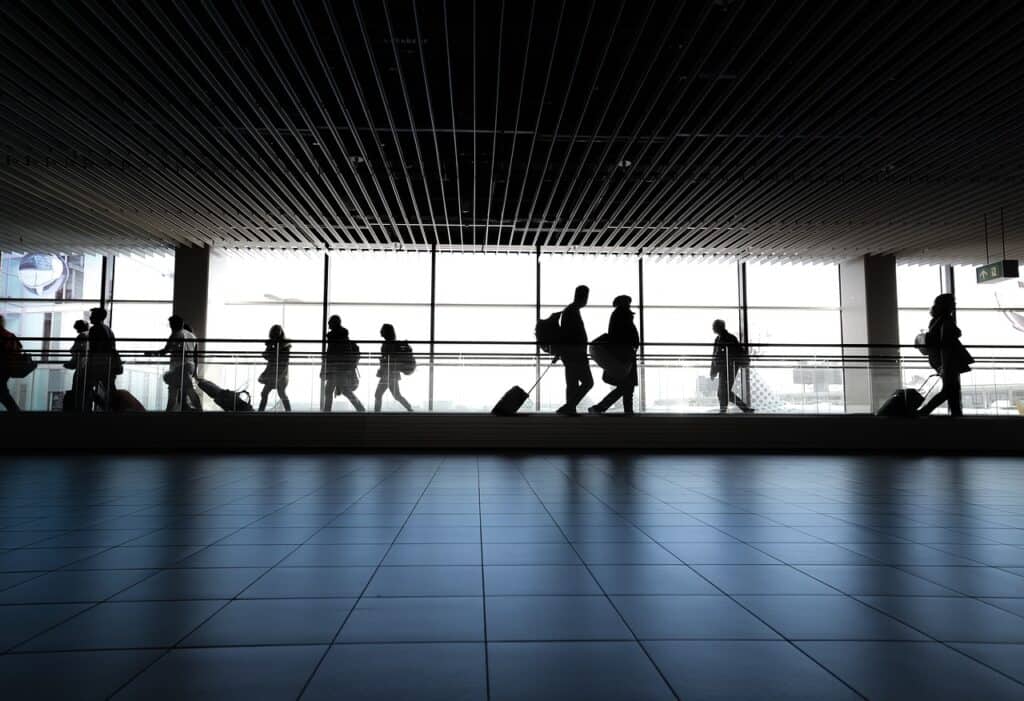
<point>473,577</point>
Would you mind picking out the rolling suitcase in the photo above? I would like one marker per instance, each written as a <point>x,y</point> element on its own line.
<point>905,402</point>
<point>512,400</point>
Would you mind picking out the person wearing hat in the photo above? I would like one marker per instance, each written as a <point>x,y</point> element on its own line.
<point>624,340</point>
<point>182,350</point>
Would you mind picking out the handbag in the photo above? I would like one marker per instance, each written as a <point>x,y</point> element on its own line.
<point>21,366</point>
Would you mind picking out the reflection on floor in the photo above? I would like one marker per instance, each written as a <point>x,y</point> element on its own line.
<point>551,577</point>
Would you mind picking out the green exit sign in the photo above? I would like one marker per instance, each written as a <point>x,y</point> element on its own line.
<point>994,272</point>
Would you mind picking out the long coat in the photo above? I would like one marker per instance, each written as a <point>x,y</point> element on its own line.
<point>624,340</point>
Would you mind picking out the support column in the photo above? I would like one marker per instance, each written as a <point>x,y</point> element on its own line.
<point>192,286</point>
<point>867,288</point>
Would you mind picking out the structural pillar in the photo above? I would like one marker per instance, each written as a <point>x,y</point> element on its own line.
<point>192,286</point>
<point>870,321</point>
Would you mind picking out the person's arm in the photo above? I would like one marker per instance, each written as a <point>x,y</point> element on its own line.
<point>714,359</point>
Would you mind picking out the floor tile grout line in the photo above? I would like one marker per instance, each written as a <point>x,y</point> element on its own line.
<point>483,584</point>
<point>226,602</point>
<point>884,613</point>
<point>362,593</point>
<point>607,598</point>
<point>725,593</point>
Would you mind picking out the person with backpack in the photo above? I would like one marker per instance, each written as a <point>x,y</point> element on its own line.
<point>728,356</point>
<point>573,352</point>
<point>623,341</point>
<point>396,359</point>
<point>946,355</point>
<point>275,376</point>
<point>341,366</point>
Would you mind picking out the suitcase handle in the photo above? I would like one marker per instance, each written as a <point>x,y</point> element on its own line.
<point>921,389</point>
<point>534,385</point>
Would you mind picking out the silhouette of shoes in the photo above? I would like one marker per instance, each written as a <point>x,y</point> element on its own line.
<point>748,410</point>
<point>566,411</point>
<point>595,410</point>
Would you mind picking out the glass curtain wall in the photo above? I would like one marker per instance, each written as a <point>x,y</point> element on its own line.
<point>795,304</point>
<point>141,300</point>
<point>250,291</point>
<point>681,300</point>
<point>42,295</point>
<point>916,288</point>
<point>370,288</point>
<point>483,297</point>
<point>990,314</point>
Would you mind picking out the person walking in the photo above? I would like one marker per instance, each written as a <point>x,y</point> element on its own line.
<point>573,352</point>
<point>946,355</point>
<point>726,359</point>
<point>182,351</point>
<point>390,370</point>
<point>341,366</point>
<point>275,375</point>
<point>623,342</point>
<point>10,349</point>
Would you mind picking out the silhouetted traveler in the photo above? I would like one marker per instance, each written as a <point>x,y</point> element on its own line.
<point>103,364</point>
<point>275,376</point>
<point>341,366</point>
<point>10,350</point>
<point>181,348</point>
<point>79,355</point>
<point>946,355</point>
<point>726,359</point>
<point>573,352</point>
<point>390,370</point>
<point>623,341</point>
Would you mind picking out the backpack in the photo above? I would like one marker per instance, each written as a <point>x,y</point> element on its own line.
<point>403,358</point>
<point>921,343</point>
<point>350,359</point>
<point>549,332</point>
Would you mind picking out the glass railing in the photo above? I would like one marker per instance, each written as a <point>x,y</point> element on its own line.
<point>471,377</point>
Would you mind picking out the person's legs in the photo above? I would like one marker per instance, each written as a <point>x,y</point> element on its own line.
<point>586,381</point>
<point>937,399</point>
<point>6,399</point>
<point>264,395</point>
<point>627,399</point>
<point>609,399</point>
<point>195,402</point>
<point>284,396</point>
<point>327,395</point>
<point>397,394</point>
<point>570,383</point>
<point>351,397</point>
<point>378,394</point>
<point>174,397</point>
<point>733,397</point>
<point>953,397</point>
<point>723,392</point>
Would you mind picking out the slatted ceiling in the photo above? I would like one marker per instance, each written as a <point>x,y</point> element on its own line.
<point>800,129</point>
